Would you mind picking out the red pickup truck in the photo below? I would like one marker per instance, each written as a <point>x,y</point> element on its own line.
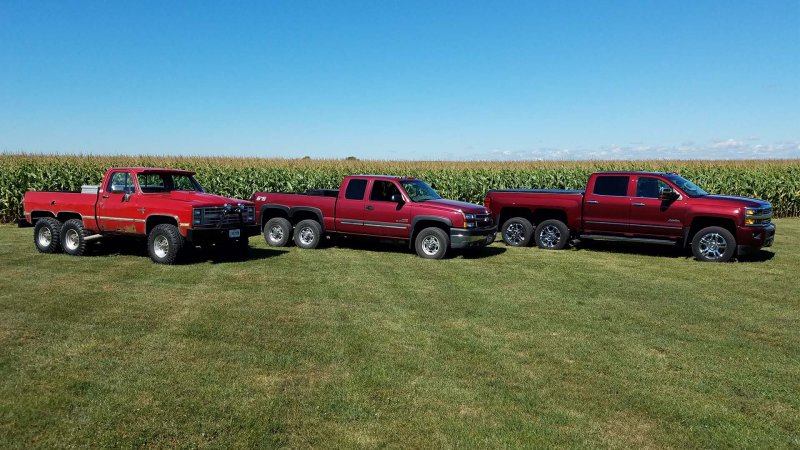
<point>378,206</point>
<point>645,207</point>
<point>167,206</point>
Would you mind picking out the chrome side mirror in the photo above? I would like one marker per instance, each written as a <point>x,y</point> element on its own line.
<point>666,194</point>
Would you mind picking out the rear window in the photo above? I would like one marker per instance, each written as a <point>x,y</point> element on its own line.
<point>616,185</point>
<point>355,189</point>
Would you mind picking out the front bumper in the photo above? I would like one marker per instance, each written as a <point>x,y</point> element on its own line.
<point>220,234</point>
<point>753,238</point>
<point>471,237</point>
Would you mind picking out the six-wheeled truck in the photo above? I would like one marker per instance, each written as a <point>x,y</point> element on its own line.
<point>644,207</point>
<point>378,206</point>
<point>167,206</point>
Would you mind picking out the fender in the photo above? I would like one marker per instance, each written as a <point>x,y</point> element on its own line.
<point>272,206</point>
<point>316,211</point>
<point>415,220</point>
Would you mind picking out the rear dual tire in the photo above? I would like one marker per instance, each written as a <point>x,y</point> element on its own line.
<point>47,235</point>
<point>307,234</point>
<point>278,232</point>
<point>73,237</point>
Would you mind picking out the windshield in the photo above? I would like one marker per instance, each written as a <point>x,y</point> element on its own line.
<point>691,189</point>
<point>167,182</point>
<point>419,191</point>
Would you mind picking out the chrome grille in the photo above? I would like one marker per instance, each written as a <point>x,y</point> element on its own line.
<point>216,216</point>
<point>483,220</point>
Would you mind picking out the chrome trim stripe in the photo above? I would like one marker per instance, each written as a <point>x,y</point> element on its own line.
<point>386,225</point>
<point>351,222</point>
<point>655,226</point>
<point>121,219</point>
<point>606,223</point>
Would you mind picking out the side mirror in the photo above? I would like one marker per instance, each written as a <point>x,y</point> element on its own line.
<point>126,197</point>
<point>117,189</point>
<point>433,186</point>
<point>397,198</point>
<point>666,194</point>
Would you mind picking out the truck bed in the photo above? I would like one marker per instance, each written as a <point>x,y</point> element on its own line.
<point>321,201</point>
<point>568,202</point>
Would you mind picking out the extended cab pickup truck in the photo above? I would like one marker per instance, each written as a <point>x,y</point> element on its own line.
<point>379,206</point>
<point>167,206</point>
<point>646,207</point>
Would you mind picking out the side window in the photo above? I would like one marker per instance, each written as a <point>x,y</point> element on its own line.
<point>616,185</point>
<point>649,187</point>
<point>120,182</point>
<point>355,189</point>
<point>151,182</point>
<point>382,191</point>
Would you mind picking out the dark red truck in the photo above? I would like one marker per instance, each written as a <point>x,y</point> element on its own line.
<point>167,206</point>
<point>645,207</point>
<point>378,206</point>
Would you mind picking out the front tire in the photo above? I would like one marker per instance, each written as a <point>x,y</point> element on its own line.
<point>517,232</point>
<point>713,244</point>
<point>277,232</point>
<point>307,234</point>
<point>164,243</point>
<point>552,235</point>
<point>47,235</point>
<point>73,237</point>
<point>432,243</point>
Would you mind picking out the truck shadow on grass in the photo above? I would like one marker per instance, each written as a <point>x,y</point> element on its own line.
<point>397,246</point>
<point>663,251</point>
<point>110,247</point>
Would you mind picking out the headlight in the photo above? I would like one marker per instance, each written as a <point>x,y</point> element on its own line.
<point>750,212</point>
<point>469,216</point>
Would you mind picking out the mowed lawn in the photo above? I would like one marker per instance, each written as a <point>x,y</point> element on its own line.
<point>366,345</point>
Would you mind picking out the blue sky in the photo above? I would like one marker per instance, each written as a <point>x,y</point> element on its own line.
<point>402,79</point>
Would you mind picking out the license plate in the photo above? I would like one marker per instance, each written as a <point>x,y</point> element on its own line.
<point>234,233</point>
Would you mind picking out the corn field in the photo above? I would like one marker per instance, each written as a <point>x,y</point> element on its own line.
<point>773,180</point>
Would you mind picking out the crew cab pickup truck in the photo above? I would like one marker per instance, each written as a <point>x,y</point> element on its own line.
<point>167,206</point>
<point>378,206</point>
<point>645,207</point>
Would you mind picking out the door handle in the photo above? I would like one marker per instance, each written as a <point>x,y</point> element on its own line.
<point>638,204</point>
<point>105,197</point>
<point>594,202</point>
<point>370,207</point>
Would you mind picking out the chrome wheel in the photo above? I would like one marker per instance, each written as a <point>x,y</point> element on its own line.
<point>306,235</point>
<point>45,236</point>
<point>550,236</point>
<point>161,246</point>
<point>276,233</point>
<point>430,245</point>
<point>73,240</point>
<point>713,246</point>
<point>515,233</point>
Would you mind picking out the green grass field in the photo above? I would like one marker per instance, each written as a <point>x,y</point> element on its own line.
<point>366,345</point>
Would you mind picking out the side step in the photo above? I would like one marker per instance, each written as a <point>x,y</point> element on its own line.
<point>603,237</point>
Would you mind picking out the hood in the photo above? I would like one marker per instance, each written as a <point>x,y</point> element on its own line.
<point>745,202</point>
<point>198,198</point>
<point>451,205</point>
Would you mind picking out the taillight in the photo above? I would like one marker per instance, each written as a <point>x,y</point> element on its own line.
<point>487,202</point>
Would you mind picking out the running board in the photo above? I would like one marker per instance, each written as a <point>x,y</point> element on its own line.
<point>93,237</point>
<point>602,237</point>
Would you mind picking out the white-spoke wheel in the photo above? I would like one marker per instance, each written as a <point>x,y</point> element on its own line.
<point>161,246</point>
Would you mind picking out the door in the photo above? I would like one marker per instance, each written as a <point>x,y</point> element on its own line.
<point>115,212</point>
<point>387,213</point>
<point>607,205</point>
<point>349,214</point>
<point>651,216</point>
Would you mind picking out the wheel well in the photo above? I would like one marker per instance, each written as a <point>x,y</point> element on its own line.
<point>540,215</point>
<point>304,215</point>
<point>698,223</point>
<point>35,215</point>
<point>422,224</point>
<point>152,221</point>
<point>508,213</point>
<point>270,213</point>
<point>65,216</point>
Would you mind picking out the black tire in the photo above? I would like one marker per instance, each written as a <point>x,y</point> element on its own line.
<point>713,244</point>
<point>517,232</point>
<point>164,243</point>
<point>73,237</point>
<point>307,234</point>
<point>551,234</point>
<point>432,243</point>
<point>47,235</point>
<point>277,232</point>
<point>491,238</point>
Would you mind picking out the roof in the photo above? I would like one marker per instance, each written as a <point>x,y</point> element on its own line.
<point>385,176</point>
<point>152,169</point>
<point>638,172</point>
